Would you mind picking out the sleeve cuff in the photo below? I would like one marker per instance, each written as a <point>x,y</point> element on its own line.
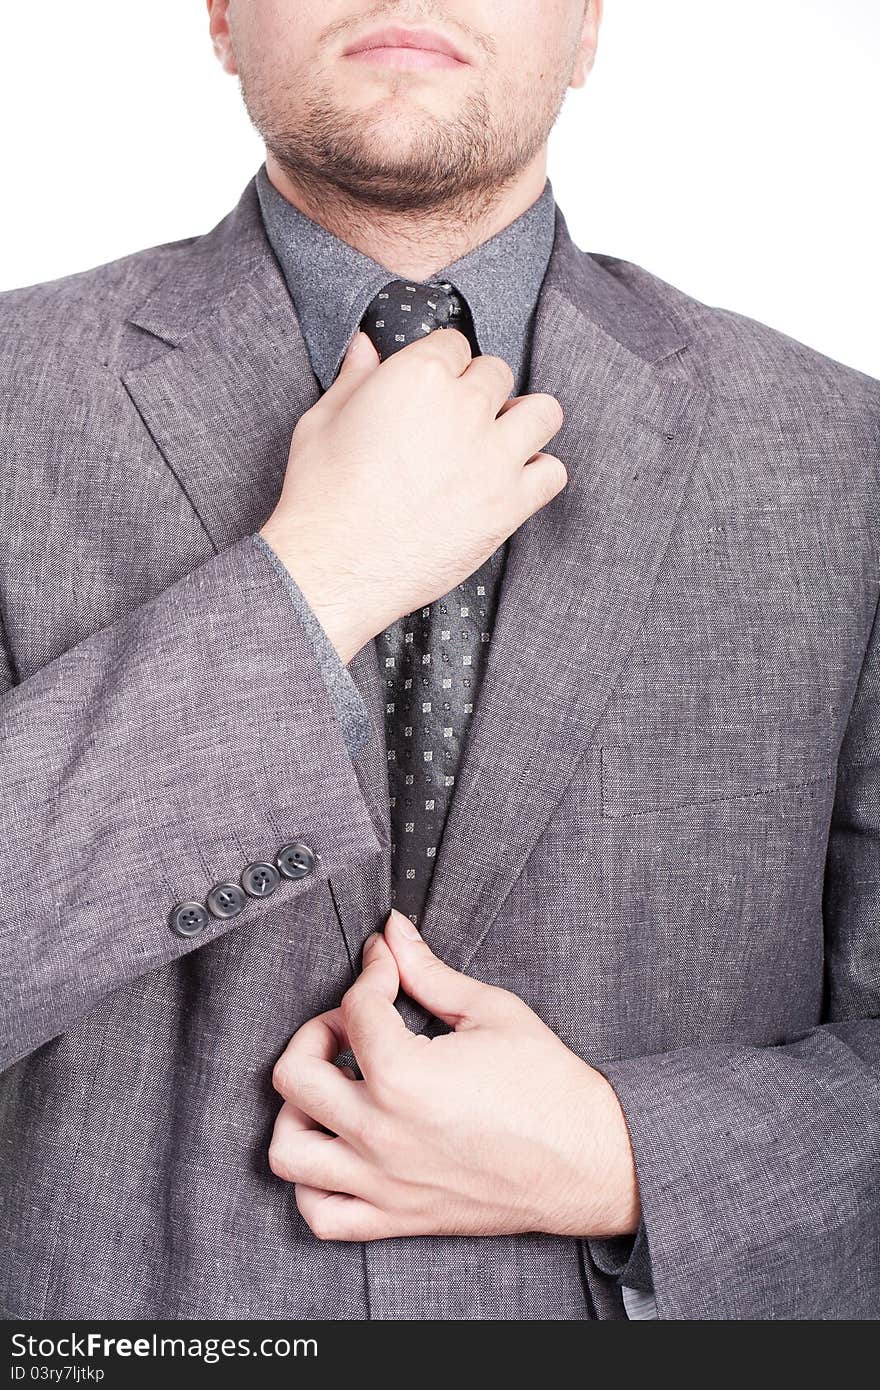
<point>347,699</point>
<point>626,1259</point>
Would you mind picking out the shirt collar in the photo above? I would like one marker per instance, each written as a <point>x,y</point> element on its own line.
<point>500,279</point>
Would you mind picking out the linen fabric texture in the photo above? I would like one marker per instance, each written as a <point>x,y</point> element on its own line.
<point>665,835</point>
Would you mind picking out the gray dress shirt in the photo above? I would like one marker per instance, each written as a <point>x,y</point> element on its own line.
<point>331,283</point>
<point>500,279</point>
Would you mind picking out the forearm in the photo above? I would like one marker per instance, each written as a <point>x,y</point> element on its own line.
<point>139,765</point>
<point>757,1170</point>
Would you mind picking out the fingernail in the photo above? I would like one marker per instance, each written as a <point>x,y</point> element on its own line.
<point>407,927</point>
<point>371,941</point>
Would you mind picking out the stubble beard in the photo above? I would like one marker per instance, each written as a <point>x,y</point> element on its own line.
<point>452,166</point>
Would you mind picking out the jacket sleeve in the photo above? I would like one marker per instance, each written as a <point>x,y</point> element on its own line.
<point>759,1167</point>
<point>345,697</point>
<point>155,759</point>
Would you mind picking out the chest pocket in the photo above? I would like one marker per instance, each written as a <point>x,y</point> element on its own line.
<point>681,771</point>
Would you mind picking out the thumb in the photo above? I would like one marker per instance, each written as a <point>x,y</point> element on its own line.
<point>458,999</point>
<point>360,360</point>
<point>379,968</point>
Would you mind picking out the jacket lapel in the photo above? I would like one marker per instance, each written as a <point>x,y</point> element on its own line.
<point>579,576</point>
<point>226,378</point>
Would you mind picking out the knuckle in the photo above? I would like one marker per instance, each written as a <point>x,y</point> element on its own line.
<point>308,1093</point>
<point>551,412</point>
<point>322,1224</point>
<point>551,479</point>
<point>279,1160</point>
<point>359,1129</point>
<point>501,368</point>
<point>560,474</point>
<point>376,1135</point>
<point>281,1077</point>
<point>488,380</point>
<point>349,1002</point>
<point>434,362</point>
<point>458,340</point>
<point>388,1086</point>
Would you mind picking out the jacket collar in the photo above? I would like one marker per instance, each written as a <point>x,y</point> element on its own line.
<point>209,271</point>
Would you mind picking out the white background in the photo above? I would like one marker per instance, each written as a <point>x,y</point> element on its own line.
<point>731,148</point>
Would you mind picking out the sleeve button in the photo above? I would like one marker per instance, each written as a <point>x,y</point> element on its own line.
<point>226,899</point>
<point>260,879</point>
<point>295,860</point>
<point>188,919</point>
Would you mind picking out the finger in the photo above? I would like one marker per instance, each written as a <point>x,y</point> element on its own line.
<point>492,378</point>
<point>319,1092</point>
<point>302,1119</point>
<point>448,346</point>
<point>317,1159</point>
<point>322,1037</point>
<point>338,1216</point>
<point>360,361</point>
<point>326,1035</point>
<point>530,424</point>
<point>375,1028</point>
<point>458,999</point>
<point>543,477</point>
<point>307,1076</point>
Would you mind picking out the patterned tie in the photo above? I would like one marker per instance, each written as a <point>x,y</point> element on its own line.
<point>431,661</point>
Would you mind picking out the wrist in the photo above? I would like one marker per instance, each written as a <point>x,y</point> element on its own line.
<point>605,1200</point>
<point>333,609</point>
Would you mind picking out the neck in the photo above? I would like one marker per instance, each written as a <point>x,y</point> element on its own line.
<point>414,245</point>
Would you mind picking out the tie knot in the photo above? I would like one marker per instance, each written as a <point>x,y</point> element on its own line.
<point>402,312</point>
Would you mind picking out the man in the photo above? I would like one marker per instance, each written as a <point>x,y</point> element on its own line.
<point>542,609</point>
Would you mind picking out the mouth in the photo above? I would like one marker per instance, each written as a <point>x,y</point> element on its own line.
<point>406,48</point>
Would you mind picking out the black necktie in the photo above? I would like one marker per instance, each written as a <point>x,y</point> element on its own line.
<point>431,661</point>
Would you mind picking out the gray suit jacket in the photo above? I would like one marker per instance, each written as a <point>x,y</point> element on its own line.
<point>665,837</point>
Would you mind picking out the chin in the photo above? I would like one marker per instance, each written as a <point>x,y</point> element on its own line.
<point>394,137</point>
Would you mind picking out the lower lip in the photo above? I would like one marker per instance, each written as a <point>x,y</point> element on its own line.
<point>406,58</point>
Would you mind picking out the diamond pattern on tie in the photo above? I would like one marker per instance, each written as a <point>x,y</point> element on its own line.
<point>403,312</point>
<point>431,661</point>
